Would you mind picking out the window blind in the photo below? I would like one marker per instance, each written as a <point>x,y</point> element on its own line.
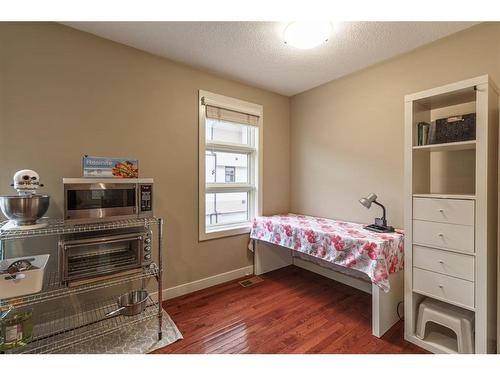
<point>223,114</point>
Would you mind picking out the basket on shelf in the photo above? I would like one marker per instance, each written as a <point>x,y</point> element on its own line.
<point>454,129</point>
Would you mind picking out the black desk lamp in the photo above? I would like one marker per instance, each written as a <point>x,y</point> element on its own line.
<point>380,222</point>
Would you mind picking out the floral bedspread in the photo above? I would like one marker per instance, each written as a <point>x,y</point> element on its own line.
<point>343,243</point>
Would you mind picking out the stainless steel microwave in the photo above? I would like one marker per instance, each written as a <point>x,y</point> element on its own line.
<point>100,199</point>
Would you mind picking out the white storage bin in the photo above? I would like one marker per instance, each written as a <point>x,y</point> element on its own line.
<point>26,282</point>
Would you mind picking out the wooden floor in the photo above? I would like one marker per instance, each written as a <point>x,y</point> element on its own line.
<point>291,311</point>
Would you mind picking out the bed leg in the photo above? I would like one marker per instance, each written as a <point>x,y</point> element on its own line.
<point>384,305</point>
<point>268,257</point>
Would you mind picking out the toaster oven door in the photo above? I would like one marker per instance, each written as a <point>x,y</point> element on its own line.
<point>96,257</point>
<point>86,202</point>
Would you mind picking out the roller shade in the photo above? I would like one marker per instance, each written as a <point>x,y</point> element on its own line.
<point>223,114</point>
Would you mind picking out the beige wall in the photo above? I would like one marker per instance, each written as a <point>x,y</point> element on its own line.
<point>64,93</point>
<point>347,135</point>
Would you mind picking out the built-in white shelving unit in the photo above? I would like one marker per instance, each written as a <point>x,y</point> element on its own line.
<point>451,201</point>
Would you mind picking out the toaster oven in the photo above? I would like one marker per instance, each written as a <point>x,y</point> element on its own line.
<point>100,199</point>
<point>97,255</point>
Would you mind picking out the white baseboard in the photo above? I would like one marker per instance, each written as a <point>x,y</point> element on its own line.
<point>207,282</point>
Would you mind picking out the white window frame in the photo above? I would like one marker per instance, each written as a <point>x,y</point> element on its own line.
<point>254,187</point>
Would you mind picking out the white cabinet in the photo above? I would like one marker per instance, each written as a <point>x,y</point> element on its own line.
<point>440,270</point>
<point>450,218</point>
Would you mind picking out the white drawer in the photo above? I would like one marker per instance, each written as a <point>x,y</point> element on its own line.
<point>442,261</point>
<point>451,211</point>
<point>446,236</point>
<point>447,288</point>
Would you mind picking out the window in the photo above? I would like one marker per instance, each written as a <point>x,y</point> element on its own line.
<point>229,192</point>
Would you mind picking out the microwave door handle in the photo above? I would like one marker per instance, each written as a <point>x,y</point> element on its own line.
<point>113,239</point>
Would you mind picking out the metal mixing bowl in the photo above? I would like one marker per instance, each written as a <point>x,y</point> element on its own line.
<point>24,210</point>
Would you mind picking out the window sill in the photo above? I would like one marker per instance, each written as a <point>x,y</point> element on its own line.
<point>226,231</point>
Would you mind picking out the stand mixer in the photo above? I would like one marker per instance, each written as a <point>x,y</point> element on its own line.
<point>24,210</point>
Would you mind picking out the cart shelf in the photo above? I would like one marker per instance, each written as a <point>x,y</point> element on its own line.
<point>53,289</point>
<point>59,227</point>
<point>63,329</point>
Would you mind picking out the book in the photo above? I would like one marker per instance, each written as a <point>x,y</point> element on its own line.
<point>423,130</point>
<point>425,133</point>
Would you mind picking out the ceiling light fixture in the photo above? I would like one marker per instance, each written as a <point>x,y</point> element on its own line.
<point>307,34</point>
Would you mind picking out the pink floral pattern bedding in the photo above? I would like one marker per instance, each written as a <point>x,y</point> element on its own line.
<point>343,243</point>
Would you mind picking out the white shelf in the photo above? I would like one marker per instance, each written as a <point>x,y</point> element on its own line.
<point>452,146</point>
<point>446,196</point>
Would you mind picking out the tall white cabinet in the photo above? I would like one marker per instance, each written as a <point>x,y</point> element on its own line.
<point>451,213</point>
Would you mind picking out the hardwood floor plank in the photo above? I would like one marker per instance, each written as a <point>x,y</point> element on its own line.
<point>291,311</point>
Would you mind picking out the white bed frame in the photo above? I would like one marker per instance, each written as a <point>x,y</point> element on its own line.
<point>269,257</point>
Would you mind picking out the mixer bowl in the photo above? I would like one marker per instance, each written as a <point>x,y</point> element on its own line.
<point>24,210</point>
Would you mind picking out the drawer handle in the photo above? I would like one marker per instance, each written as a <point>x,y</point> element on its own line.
<point>441,210</point>
<point>440,234</point>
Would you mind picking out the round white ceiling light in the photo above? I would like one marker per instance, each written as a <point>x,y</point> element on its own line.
<point>307,34</point>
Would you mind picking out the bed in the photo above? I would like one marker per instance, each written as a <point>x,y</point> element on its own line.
<point>340,250</point>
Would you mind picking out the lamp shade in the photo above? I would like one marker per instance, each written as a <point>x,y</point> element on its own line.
<point>367,202</point>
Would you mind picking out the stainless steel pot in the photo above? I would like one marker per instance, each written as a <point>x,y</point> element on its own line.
<point>24,210</point>
<point>131,303</point>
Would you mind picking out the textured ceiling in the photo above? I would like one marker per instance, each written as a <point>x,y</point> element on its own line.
<point>253,52</point>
